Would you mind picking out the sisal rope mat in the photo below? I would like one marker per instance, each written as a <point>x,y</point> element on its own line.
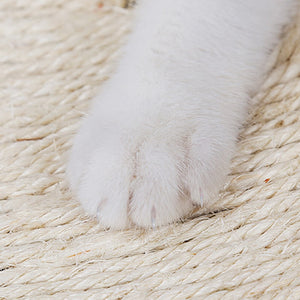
<point>54,54</point>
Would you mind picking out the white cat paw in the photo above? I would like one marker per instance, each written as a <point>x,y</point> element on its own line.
<point>149,176</point>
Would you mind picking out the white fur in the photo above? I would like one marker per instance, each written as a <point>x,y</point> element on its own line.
<point>160,136</point>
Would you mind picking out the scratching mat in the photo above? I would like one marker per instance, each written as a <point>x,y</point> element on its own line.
<point>54,55</point>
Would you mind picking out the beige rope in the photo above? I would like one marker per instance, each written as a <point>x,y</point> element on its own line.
<point>54,54</point>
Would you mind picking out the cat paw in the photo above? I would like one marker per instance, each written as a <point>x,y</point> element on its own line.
<point>148,176</point>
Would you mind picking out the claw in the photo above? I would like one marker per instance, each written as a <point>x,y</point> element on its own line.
<point>100,206</point>
<point>98,214</point>
<point>153,218</point>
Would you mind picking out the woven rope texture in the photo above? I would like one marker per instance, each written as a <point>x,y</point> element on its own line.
<point>54,55</point>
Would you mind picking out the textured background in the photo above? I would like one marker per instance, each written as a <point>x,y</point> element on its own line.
<point>54,54</point>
